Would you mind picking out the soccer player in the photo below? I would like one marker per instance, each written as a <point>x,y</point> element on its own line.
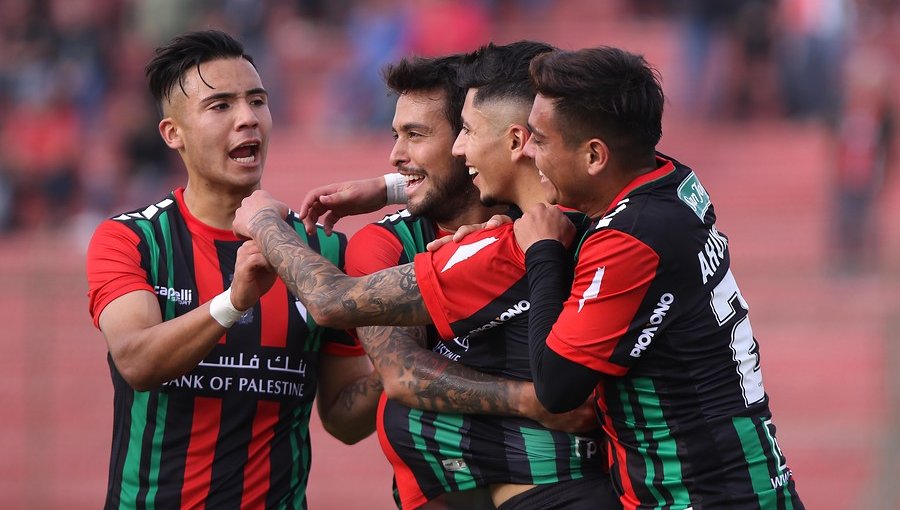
<point>654,325</point>
<point>437,454</point>
<point>214,364</point>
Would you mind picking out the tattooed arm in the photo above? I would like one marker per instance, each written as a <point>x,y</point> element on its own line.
<point>348,396</point>
<point>419,378</point>
<point>334,299</point>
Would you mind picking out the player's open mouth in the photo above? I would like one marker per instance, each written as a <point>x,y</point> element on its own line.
<point>245,153</point>
<point>413,180</point>
<point>473,172</point>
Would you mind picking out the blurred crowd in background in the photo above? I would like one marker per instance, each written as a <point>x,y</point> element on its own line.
<point>78,128</point>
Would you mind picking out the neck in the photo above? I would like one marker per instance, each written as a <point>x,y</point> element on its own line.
<point>214,207</point>
<point>474,214</point>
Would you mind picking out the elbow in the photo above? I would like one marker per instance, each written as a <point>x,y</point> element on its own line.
<point>395,390</point>
<point>140,378</point>
<point>346,434</point>
<point>555,402</point>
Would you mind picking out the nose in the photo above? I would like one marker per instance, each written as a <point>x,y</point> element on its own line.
<point>528,149</point>
<point>246,116</point>
<point>459,145</point>
<point>399,154</point>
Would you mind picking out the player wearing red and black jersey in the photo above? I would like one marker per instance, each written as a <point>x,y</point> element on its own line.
<point>434,453</point>
<point>214,364</point>
<point>237,421</point>
<point>654,324</point>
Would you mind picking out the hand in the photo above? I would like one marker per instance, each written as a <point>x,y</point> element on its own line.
<point>495,221</point>
<point>580,420</point>
<point>253,276</point>
<point>328,204</point>
<point>540,222</point>
<point>250,206</point>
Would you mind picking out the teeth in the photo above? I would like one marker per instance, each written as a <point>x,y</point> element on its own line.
<point>413,178</point>
<point>473,170</point>
<point>248,159</point>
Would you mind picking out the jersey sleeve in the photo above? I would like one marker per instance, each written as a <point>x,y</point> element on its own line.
<point>613,274</point>
<point>370,250</point>
<point>113,266</point>
<point>468,284</point>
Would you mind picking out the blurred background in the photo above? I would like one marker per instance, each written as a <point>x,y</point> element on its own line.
<point>787,110</point>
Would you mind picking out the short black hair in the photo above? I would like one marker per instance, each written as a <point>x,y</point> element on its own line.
<point>604,92</point>
<point>187,51</point>
<point>501,72</point>
<point>418,74</point>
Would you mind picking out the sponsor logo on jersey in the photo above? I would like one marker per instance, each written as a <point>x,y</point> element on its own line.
<point>467,251</point>
<point>178,296</point>
<point>454,465</point>
<point>692,193</point>
<point>442,349</point>
<point>647,334</point>
<point>511,313</point>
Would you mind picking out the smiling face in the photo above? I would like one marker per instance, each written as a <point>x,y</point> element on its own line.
<point>220,124</point>
<point>485,147</point>
<point>560,165</point>
<point>437,182</point>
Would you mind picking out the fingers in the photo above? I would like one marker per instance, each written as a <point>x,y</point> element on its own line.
<point>437,243</point>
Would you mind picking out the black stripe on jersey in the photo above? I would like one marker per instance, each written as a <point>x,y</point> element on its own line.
<point>174,457</point>
<point>124,399</point>
<point>648,488</point>
<point>227,480</point>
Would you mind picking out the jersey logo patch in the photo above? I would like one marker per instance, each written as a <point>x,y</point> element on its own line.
<point>464,252</point>
<point>593,289</point>
<point>692,193</point>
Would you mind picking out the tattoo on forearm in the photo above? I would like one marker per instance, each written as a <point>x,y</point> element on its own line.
<point>430,381</point>
<point>391,296</point>
<point>360,390</point>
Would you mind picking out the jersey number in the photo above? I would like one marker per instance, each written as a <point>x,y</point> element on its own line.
<point>726,301</point>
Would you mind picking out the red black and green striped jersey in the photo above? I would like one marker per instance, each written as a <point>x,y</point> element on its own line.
<point>434,453</point>
<point>656,308</point>
<point>233,432</point>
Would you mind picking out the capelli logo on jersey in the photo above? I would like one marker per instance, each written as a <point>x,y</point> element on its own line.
<point>178,296</point>
<point>646,336</point>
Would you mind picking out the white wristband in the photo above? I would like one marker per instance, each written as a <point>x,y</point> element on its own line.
<point>223,311</point>
<point>396,188</point>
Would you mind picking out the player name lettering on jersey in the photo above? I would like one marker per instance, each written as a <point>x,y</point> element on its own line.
<point>511,313</point>
<point>659,313</point>
<point>713,253</point>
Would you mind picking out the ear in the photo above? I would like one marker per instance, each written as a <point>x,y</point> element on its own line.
<point>518,135</point>
<point>171,133</point>
<point>597,155</point>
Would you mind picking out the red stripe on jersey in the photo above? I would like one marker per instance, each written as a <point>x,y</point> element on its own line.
<point>201,451</point>
<point>410,492</point>
<point>273,318</point>
<point>613,274</point>
<point>207,271</point>
<point>258,468</point>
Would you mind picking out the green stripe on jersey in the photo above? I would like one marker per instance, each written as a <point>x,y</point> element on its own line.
<point>655,444</point>
<point>541,451</point>
<point>449,439</point>
<point>131,468</point>
<point>156,448</point>
<point>170,264</point>
<point>760,465</point>
<point>415,430</point>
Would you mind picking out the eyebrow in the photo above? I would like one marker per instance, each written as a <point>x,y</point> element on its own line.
<point>230,95</point>
<point>533,130</point>
<point>415,125</point>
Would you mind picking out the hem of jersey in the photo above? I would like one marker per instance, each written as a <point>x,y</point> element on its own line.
<point>567,351</point>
